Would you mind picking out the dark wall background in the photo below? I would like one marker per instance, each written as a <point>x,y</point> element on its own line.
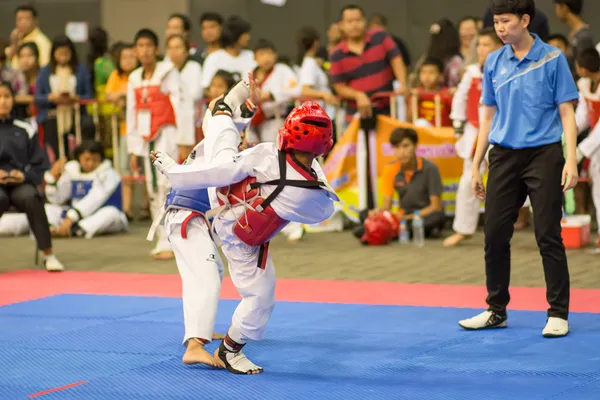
<point>409,19</point>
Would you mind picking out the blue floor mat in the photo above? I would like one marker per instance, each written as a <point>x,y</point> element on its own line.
<point>130,348</point>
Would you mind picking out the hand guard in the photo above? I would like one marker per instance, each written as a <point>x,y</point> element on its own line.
<point>163,162</point>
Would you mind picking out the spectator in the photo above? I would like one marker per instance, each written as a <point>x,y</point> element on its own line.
<point>233,57</point>
<point>116,92</point>
<point>279,86</point>
<point>100,62</point>
<point>27,30</point>
<point>61,83</point>
<point>380,21</point>
<point>559,41</point>
<point>479,23</point>
<point>179,24</point>
<point>14,76</point>
<point>221,82</point>
<point>444,44</point>
<point>334,36</point>
<point>22,166</point>
<point>467,32</point>
<point>430,87</point>
<point>211,24</point>
<point>416,181</point>
<point>580,37</point>
<point>538,25</point>
<point>190,75</point>
<point>85,195</point>
<point>114,51</point>
<point>313,80</point>
<point>30,66</point>
<point>365,63</point>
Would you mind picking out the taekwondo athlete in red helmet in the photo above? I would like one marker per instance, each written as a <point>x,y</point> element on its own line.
<point>257,193</point>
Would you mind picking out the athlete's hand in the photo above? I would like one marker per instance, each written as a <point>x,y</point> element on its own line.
<point>477,184</point>
<point>162,161</point>
<point>255,92</point>
<point>570,175</point>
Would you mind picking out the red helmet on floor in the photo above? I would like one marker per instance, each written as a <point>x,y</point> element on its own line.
<point>380,229</point>
<point>307,128</point>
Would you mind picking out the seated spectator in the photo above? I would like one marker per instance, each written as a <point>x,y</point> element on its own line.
<point>279,86</point>
<point>85,195</point>
<point>211,25</point>
<point>313,80</point>
<point>22,166</point>
<point>11,75</point>
<point>61,83</point>
<point>430,87</point>
<point>233,57</point>
<point>27,31</point>
<point>416,181</point>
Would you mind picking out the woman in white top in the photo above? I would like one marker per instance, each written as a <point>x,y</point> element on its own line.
<point>313,79</point>
<point>190,74</point>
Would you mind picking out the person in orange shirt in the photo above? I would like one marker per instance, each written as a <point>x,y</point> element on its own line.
<point>116,92</point>
<point>417,183</point>
<point>431,77</point>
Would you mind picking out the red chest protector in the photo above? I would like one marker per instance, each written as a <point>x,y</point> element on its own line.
<point>426,104</point>
<point>260,223</point>
<point>151,98</point>
<point>473,101</point>
<point>593,111</point>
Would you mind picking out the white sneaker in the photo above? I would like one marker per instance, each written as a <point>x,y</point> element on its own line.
<point>52,264</point>
<point>485,320</point>
<point>556,327</point>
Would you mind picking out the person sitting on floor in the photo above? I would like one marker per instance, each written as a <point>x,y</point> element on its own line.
<point>416,181</point>
<point>85,194</point>
<point>22,165</point>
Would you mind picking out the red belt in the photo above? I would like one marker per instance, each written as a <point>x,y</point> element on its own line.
<point>188,219</point>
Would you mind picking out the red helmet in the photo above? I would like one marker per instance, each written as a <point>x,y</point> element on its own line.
<point>307,128</point>
<point>380,229</point>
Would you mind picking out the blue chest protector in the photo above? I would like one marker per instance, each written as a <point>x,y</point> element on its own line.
<point>80,189</point>
<point>194,200</point>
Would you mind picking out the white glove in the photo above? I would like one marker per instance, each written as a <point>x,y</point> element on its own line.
<point>163,162</point>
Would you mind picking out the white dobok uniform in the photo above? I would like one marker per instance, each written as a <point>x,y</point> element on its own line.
<point>251,267</point>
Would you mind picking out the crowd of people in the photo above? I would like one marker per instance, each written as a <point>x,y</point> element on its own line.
<point>83,174</point>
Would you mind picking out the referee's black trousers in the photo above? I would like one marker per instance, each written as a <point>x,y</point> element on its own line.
<point>514,174</point>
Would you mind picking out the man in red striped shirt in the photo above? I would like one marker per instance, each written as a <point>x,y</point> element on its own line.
<point>365,63</point>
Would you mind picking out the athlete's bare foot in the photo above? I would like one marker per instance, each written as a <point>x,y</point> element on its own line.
<point>195,354</point>
<point>217,336</point>
<point>455,239</point>
<point>164,255</point>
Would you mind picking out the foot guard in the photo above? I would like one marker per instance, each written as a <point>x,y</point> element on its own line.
<point>236,362</point>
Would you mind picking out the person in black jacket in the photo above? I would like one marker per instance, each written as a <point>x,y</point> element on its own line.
<point>22,166</point>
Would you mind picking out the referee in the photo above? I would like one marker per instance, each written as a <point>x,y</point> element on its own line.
<point>528,95</point>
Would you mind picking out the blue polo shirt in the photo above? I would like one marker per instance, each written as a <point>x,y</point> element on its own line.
<point>527,93</point>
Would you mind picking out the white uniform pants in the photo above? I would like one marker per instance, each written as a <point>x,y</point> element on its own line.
<point>467,204</point>
<point>157,184</point>
<point>106,220</point>
<point>251,268</point>
<point>201,270</point>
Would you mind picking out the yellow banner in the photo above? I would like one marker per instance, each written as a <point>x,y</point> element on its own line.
<point>348,155</point>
